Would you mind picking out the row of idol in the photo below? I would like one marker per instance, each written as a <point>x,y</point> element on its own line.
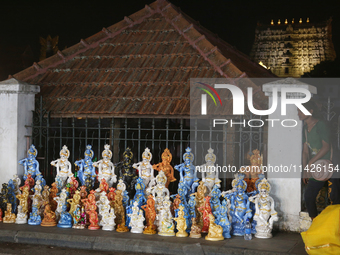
<point>195,209</point>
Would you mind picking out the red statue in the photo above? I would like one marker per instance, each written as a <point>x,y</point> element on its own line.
<point>206,211</point>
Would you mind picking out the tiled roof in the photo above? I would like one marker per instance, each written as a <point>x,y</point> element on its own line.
<point>139,66</point>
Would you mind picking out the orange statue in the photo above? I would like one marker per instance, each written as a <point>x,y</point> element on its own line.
<point>251,172</point>
<point>30,182</point>
<point>111,196</point>
<point>0,215</point>
<point>53,194</point>
<point>120,213</point>
<point>83,192</point>
<point>93,217</point>
<point>175,204</point>
<point>104,186</point>
<point>206,211</point>
<point>49,217</point>
<point>200,195</point>
<point>150,215</point>
<point>166,167</point>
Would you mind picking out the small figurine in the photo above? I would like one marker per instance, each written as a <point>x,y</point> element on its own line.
<point>166,167</point>
<point>103,205</point>
<point>53,194</point>
<point>93,218</point>
<point>65,218</point>
<point>111,196</point>
<point>195,229</point>
<point>74,202</point>
<point>122,187</point>
<point>187,171</point>
<point>16,182</point>
<point>239,205</point>
<point>86,168</point>
<point>166,226</point>
<point>9,216</point>
<point>73,185</point>
<point>251,172</point>
<point>215,231</point>
<point>61,201</point>
<point>200,195</point>
<point>105,167</point>
<point>150,215</point>
<point>103,186</point>
<point>30,182</point>
<point>1,215</point>
<point>46,195</point>
<point>11,195</point>
<point>127,173</point>
<point>37,198</point>
<point>31,165</point>
<point>137,219</point>
<point>144,167</point>
<point>49,217</point>
<point>34,218</point>
<point>79,219</point>
<point>139,196</point>
<point>209,172</point>
<point>4,196</point>
<point>206,212</point>
<point>222,219</point>
<point>83,192</point>
<point>120,213</point>
<point>181,223</point>
<point>64,168</point>
<point>265,215</point>
<point>215,198</point>
<point>160,189</point>
<point>21,217</point>
<point>108,220</point>
<point>23,199</point>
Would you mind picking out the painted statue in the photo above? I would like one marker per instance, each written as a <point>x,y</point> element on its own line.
<point>206,212</point>
<point>31,165</point>
<point>221,215</point>
<point>127,173</point>
<point>195,229</point>
<point>106,169</point>
<point>108,220</point>
<point>209,172</point>
<point>166,167</point>
<point>145,170</point>
<point>21,216</point>
<point>86,168</point>
<point>137,219</point>
<point>150,215</point>
<point>215,231</point>
<point>49,217</point>
<point>9,216</point>
<point>35,218</point>
<point>64,169</point>
<point>166,224</point>
<point>239,205</point>
<point>181,223</point>
<point>265,215</point>
<point>187,171</point>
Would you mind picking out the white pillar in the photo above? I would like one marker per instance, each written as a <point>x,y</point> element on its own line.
<point>16,106</point>
<point>285,149</point>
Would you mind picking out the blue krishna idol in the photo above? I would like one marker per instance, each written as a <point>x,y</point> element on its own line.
<point>65,218</point>
<point>86,169</point>
<point>187,171</point>
<point>31,165</point>
<point>222,218</point>
<point>34,218</point>
<point>240,206</point>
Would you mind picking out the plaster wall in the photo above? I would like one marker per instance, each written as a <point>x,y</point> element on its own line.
<point>16,104</point>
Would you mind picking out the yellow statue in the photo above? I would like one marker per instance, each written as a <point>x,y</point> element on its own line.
<point>215,231</point>
<point>23,198</point>
<point>181,223</point>
<point>251,172</point>
<point>9,216</point>
<point>120,213</point>
<point>74,202</point>
<point>200,195</point>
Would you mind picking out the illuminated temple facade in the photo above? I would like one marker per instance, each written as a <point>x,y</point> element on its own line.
<point>290,48</point>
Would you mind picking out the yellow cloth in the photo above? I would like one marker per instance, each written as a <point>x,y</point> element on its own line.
<point>323,236</point>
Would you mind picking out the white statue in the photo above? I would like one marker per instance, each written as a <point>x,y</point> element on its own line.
<point>103,207</point>
<point>37,199</point>
<point>108,220</point>
<point>21,217</point>
<point>137,219</point>
<point>16,182</point>
<point>144,167</point>
<point>61,200</point>
<point>64,169</point>
<point>209,172</point>
<point>121,185</point>
<point>166,224</point>
<point>160,191</point>
<point>106,168</point>
<point>265,215</point>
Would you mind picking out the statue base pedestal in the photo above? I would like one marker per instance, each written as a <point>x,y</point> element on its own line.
<point>166,234</point>
<point>93,227</point>
<point>182,234</point>
<point>64,225</point>
<point>214,238</point>
<point>48,224</point>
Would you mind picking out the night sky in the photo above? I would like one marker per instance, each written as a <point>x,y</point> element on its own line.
<point>23,21</point>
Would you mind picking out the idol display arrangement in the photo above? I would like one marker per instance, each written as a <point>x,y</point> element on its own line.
<point>138,200</point>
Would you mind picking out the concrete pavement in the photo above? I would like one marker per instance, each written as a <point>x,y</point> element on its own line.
<point>99,240</point>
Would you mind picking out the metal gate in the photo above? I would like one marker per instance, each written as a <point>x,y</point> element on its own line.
<point>231,145</point>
